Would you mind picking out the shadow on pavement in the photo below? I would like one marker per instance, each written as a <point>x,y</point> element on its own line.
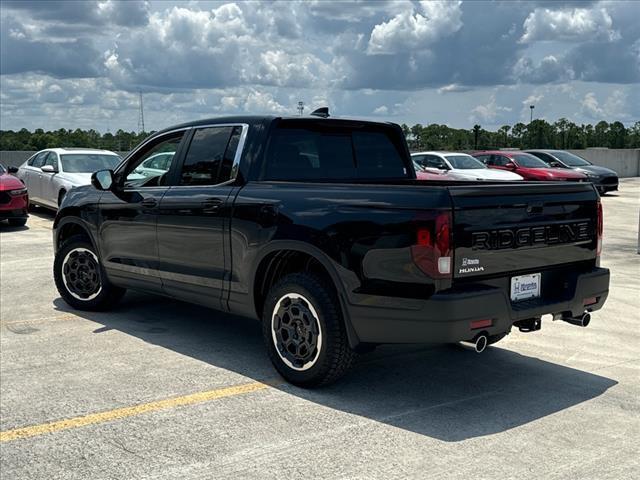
<point>440,391</point>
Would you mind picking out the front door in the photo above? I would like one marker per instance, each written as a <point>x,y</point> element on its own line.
<point>194,216</point>
<point>48,192</point>
<point>129,215</point>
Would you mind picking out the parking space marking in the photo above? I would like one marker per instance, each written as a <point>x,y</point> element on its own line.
<point>119,413</point>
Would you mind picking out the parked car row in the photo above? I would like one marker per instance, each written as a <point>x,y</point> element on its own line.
<point>532,165</point>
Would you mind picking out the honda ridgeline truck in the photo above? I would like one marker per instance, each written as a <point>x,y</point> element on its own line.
<point>318,228</point>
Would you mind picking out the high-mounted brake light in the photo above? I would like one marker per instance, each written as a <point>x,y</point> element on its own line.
<point>432,250</point>
<point>600,229</point>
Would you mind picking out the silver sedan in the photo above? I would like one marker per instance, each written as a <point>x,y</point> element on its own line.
<point>51,173</point>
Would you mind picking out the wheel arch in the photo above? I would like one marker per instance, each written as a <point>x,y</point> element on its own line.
<point>285,257</point>
<point>69,226</point>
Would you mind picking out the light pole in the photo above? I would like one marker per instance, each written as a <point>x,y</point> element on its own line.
<point>531,107</point>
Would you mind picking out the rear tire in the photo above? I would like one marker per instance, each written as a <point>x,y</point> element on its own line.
<point>304,331</point>
<point>80,278</point>
<point>17,222</point>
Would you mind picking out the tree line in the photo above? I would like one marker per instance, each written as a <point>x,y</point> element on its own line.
<point>23,139</point>
<point>562,134</point>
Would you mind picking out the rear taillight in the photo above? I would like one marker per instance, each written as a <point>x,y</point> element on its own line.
<point>432,250</point>
<point>600,227</point>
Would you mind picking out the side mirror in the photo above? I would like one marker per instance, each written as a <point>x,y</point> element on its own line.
<point>12,170</point>
<point>510,166</point>
<point>103,179</point>
<point>48,169</point>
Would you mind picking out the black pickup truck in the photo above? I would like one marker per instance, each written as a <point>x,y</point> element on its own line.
<point>318,228</point>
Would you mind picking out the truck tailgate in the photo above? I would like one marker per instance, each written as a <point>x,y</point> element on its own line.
<point>522,227</point>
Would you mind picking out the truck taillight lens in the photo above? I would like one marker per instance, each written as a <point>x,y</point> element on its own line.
<point>600,227</point>
<point>432,250</point>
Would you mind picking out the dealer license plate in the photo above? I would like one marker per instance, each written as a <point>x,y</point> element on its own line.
<point>525,286</point>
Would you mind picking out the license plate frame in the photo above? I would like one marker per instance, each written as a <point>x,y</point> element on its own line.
<point>525,287</point>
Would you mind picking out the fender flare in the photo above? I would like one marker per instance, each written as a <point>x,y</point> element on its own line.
<point>325,261</point>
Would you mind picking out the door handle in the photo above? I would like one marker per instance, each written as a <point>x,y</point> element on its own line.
<point>149,202</point>
<point>211,205</point>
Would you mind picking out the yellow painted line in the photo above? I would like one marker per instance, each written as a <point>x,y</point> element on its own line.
<point>119,413</point>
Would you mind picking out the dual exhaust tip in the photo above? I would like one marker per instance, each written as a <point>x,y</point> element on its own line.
<point>481,341</point>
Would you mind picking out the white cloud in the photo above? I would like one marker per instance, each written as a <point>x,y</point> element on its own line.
<point>572,25</point>
<point>411,29</point>
<point>488,112</point>
<point>452,88</point>
<point>381,110</point>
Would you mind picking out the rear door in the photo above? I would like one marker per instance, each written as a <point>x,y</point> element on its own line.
<point>522,228</point>
<point>195,213</point>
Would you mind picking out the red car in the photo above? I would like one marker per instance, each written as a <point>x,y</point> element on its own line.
<point>14,200</point>
<point>527,166</point>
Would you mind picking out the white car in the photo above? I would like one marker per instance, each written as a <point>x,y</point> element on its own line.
<point>460,166</point>
<point>154,166</point>
<point>51,173</point>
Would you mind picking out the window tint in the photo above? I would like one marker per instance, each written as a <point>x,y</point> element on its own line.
<point>140,175</point>
<point>499,160</point>
<point>39,159</point>
<point>483,158</point>
<point>435,162</point>
<point>209,159</point>
<point>419,159</point>
<point>52,159</point>
<point>332,153</point>
<point>377,156</point>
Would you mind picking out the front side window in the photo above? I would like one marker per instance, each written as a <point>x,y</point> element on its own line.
<point>435,162</point>
<point>160,153</point>
<point>209,159</point>
<point>500,160</point>
<point>39,159</point>
<point>52,159</point>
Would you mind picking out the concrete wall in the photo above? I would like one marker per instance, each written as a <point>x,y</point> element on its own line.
<point>624,161</point>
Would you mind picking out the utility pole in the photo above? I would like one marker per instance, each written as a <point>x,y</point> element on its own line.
<point>300,107</point>
<point>141,116</point>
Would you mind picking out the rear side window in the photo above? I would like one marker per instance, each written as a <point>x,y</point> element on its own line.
<point>332,154</point>
<point>209,160</point>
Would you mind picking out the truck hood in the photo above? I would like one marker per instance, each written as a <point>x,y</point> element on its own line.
<point>484,174</point>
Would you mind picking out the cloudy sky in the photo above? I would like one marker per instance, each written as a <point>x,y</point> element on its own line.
<point>81,64</point>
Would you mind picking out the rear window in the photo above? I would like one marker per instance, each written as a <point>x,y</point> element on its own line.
<point>332,153</point>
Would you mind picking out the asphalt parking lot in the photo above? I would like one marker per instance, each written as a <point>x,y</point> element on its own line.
<point>161,389</point>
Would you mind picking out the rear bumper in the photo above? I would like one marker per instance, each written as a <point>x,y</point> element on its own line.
<point>446,316</point>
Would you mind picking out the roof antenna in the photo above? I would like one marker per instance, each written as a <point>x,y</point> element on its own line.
<point>322,112</point>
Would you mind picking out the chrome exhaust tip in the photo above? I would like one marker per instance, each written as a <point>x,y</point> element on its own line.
<point>581,321</point>
<point>479,342</point>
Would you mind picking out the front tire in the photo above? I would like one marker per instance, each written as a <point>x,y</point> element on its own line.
<point>80,278</point>
<point>304,331</point>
